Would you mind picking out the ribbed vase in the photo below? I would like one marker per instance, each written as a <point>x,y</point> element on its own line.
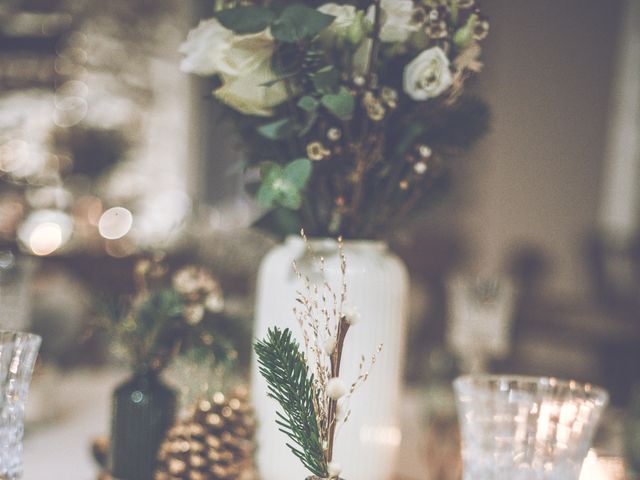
<point>377,285</point>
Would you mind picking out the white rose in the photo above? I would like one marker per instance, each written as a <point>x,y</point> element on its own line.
<point>428,75</point>
<point>205,48</point>
<point>345,16</point>
<point>243,63</point>
<point>397,20</point>
<point>248,59</point>
<point>247,93</point>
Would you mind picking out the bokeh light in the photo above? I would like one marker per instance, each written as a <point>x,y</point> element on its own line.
<point>45,231</point>
<point>46,238</point>
<point>115,223</point>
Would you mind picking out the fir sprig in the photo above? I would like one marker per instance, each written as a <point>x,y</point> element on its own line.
<point>283,366</point>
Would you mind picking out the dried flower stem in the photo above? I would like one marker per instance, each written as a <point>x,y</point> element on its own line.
<point>336,360</point>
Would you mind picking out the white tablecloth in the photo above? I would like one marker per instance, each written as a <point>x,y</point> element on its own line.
<point>79,407</point>
<point>59,449</point>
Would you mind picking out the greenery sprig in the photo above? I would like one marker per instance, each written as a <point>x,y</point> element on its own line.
<point>284,368</point>
<point>306,380</point>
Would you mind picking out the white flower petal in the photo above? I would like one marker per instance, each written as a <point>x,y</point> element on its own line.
<point>428,75</point>
<point>205,47</point>
<point>397,20</point>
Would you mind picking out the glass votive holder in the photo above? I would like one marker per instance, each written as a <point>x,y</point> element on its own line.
<point>18,353</point>
<point>525,428</point>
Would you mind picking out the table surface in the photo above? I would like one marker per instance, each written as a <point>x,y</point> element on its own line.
<point>78,405</point>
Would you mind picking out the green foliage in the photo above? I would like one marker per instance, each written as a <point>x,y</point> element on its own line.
<point>246,20</point>
<point>308,104</point>
<point>282,365</point>
<point>283,186</point>
<point>464,36</point>
<point>341,104</point>
<point>298,22</point>
<point>326,80</point>
<point>278,130</point>
<point>150,329</point>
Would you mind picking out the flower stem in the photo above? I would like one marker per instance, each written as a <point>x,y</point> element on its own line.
<point>336,359</point>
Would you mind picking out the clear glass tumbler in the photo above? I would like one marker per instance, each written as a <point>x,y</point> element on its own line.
<point>526,428</point>
<point>18,353</point>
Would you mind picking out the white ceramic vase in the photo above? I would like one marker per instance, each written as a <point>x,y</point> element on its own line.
<point>377,286</point>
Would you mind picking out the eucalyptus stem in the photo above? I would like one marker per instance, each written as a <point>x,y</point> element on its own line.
<point>375,41</point>
<point>363,147</point>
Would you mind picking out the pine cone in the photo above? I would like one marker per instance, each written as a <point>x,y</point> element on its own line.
<point>215,442</point>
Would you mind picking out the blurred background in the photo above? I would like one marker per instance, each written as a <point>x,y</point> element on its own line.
<point>109,153</point>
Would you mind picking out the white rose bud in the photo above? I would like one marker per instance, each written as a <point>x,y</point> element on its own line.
<point>428,75</point>
<point>336,388</point>
<point>344,15</point>
<point>334,469</point>
<point>397,20</point>
<point>352,315</point>
<point>330,345</point>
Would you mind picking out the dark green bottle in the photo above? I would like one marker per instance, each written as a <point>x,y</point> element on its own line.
<point>144,408</point>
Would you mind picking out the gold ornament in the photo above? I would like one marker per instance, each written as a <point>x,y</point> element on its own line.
<point>215,442</point>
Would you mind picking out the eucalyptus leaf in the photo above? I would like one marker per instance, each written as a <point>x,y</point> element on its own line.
<point>291,200</point>
<point>308,104</point>
<point>282,186</point>
<point>278,130</point>
<point>246,20</point>
<point>341,104</point>
<point>269,169</point>
<point>266,195</point>
<point>298,22</point>
<point>298,172</point>
<point>326,80</point>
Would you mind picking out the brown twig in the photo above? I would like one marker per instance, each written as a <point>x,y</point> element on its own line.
<point>336,359</point>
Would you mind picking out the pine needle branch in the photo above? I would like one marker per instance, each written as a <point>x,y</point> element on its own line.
<point>283,366</point>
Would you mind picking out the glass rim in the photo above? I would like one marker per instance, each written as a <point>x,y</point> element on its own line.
<point>32,337</point>
<point>573,386</point>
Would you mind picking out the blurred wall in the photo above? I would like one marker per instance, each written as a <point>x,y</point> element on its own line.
<point>535,179</point>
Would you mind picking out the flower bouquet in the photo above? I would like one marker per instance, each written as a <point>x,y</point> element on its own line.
<point>348,111</point>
